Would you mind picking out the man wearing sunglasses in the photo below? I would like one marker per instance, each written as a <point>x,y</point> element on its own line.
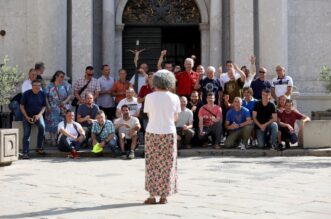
<point>87,84</point>
<point>260,84</point>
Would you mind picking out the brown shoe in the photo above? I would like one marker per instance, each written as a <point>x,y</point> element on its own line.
<point>150,201</point>
<point>216,146</point>
<point>163,201</point>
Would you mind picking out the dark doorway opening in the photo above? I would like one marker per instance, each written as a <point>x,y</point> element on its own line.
<point>179,41</point>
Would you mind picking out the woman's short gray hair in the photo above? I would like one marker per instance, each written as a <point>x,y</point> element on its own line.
<point>164,80</point>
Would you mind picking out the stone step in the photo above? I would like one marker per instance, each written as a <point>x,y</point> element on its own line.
<point>203,152</point>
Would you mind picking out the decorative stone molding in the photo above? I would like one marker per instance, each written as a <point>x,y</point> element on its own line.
<point>8,146</point>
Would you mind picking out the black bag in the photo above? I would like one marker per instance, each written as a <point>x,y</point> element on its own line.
<point>75,100</point>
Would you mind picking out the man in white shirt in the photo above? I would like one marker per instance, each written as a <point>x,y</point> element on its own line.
<point>105,100</point>
<point>27,84</point>
<point>71,135</point>
<point>131,102</point>
<point>127,127</point>
<point>184,125</point>
<point>282,84</point>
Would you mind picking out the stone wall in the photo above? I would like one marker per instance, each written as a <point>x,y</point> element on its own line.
<point>309,37</point>
<point>36,31</point>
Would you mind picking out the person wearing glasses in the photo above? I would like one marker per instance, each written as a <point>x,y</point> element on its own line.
<point>87,84</point>
<point>260,84</point>
<point>58,95</point>
<point>33,105</point>
<point>282,84</point>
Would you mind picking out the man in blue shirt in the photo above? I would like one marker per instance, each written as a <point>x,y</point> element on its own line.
<point>239,124</point>
<point>209,84</point>
<point>249,100</point>
<point>33,105</point>
<point>260,84</point>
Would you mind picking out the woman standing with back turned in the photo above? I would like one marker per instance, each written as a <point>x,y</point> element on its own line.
<point>162,108</point>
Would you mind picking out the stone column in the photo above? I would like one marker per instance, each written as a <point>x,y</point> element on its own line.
<point>215,33</point>
<point>242,31</point>
<point>204,29</point>
<point>108,34</point>
<point>82,36</point>
<point>47,35</point>
<point>118,48</point>
<point>273,34</point>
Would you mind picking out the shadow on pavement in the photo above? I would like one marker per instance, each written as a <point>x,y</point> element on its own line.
<point>59,211</point>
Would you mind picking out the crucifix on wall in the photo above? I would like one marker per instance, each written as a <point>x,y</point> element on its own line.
<point>136,53</point>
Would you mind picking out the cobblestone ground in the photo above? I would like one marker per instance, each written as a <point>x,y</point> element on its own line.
<point>209,187</point>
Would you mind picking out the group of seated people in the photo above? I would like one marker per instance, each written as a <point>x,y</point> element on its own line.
<point>228,110</point>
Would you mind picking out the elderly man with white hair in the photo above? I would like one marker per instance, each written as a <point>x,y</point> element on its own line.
<point>186,79</point>
<point>239,124</point>
<point>210,84</point>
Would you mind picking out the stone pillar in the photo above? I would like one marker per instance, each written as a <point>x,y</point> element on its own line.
<point>118,48</point>
<point>108,33</point>
<point>273,34</point>
<point>242,31</point>
<point>82,36</point>
<point>215,33</point>
<point>47,35</point>
<point>204,29</point>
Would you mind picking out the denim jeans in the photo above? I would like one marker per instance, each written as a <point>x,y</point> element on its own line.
<point>27,132</point>
<point>15,107</point>
<point>264,136</point>
<point>112,144</point>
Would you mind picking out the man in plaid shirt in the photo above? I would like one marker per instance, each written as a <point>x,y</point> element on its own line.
<point>93,86</point>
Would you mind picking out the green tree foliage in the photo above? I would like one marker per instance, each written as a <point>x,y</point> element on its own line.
<point>9,80</point>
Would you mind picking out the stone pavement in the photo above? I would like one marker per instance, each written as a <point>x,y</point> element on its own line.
<point>209,187</point>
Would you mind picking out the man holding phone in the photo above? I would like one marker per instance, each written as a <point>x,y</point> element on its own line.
<point>33,105</point>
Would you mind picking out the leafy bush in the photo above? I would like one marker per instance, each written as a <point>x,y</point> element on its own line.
<point>325,75</point>
<point>9,79</point>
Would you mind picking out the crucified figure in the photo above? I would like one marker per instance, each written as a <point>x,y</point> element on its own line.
<point>136,56</point>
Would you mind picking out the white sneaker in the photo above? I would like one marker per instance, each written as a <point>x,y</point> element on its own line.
<point>131,155</point>
<point>242,146</point>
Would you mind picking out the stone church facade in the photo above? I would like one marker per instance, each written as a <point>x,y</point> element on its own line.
<point>71,34</point>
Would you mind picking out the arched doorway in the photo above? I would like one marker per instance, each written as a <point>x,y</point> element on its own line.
<point>155,25</point>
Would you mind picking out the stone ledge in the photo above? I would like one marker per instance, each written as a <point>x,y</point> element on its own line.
<point>208,152</point>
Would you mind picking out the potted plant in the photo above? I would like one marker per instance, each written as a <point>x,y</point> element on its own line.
<point>10,77</point>
<point>325,75</point>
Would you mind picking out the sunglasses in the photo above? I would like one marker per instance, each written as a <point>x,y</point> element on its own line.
<point>261,71</point>
<point>90,75</point>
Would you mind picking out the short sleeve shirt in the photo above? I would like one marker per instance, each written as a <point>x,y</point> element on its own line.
<point>185,117</point>
<point>233,116</point>
<point>120,86</point>
<point>161,108</point>
<point>70,128</point>
<point>106,131</point>
<point>84,110</point>
<point>186,82</point>
<point>106,100</point>
<point>210,85</point>
<point>290,118</point>
<point>281,85</point>
<point>257,86</point>
<point>207,114</point>
<point>92,87</point>
<point>249,105</point>
<point>233,89</point>
<point>133,105</point>
<point>33,103</point>
<point>264,113</point>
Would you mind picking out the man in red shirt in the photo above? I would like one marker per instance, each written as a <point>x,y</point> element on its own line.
<point>210,121</point>
<point>286,121</point>
<point>186,79</point>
